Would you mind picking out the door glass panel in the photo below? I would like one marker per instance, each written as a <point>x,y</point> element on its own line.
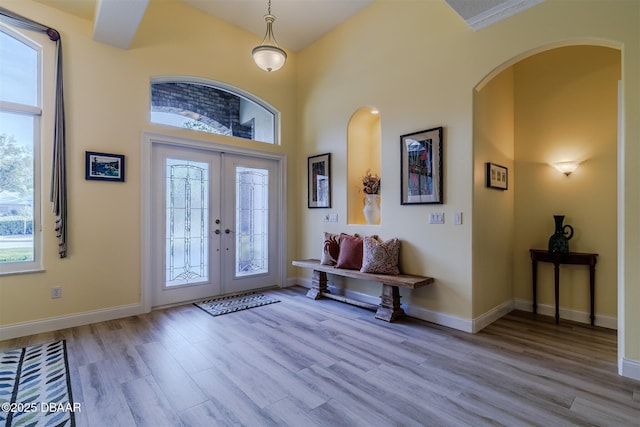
<point>252,221</point>
<point>187,224</point>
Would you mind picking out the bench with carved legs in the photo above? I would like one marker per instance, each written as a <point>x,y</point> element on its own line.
<point>389,308</point>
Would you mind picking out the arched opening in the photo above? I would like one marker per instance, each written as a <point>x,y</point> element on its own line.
<point>363,155</point>
<point>555,104</point>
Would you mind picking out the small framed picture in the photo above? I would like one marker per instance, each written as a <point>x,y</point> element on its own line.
<point>421,167</point>
<point>319,181</point>
<point>104,166</point>
<point>497,176</point>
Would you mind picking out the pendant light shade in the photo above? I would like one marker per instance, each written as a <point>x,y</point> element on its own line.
<point>268,55</point>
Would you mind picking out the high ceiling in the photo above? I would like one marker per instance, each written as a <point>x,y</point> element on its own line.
<point>299,22</point>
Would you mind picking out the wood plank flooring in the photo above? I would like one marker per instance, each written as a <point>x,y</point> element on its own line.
<point>324,363</point>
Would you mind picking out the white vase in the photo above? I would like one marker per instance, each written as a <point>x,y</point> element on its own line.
<point>372,208</point>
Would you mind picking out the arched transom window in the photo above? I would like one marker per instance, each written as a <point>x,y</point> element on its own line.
<point>208,106</point>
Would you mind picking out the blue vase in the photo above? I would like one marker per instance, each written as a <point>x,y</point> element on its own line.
<point>559,240</point>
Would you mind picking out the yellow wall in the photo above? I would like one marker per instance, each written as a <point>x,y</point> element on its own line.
<point>107,109</point>
<point>397,56</point>
<point>419,63</point>
<point>556,105</point>
<point>415,60</point>
<point>493,134</point>
<point>566,109</point>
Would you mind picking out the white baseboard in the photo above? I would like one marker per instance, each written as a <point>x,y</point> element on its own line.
<point>55,323</point>
<point>491,316</point>
<point>292,281</point>
<point>629,368</point>
<point>565,313</point>
<point>479,323</point>
<point>417,312</point>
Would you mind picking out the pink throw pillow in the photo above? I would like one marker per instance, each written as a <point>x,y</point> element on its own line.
<point>350,256</point>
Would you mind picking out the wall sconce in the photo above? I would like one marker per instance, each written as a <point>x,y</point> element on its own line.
<point>566,167</point>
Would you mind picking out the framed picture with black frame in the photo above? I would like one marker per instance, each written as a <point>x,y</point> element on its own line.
<point>319,181</point>
<point>497,176</point>
<point>421,174</point>
<point>104,166</point>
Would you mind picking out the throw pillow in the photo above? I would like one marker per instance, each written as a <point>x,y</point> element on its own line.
<point>380,257</point>
<point>330,249</point>
<point>350,256</point>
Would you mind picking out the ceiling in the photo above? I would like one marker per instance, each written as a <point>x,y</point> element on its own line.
<point>298,24</point>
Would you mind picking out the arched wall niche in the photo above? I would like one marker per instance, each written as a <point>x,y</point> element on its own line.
<point>363,154</point>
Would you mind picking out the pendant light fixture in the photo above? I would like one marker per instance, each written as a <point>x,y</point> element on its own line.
<point>268,54</point>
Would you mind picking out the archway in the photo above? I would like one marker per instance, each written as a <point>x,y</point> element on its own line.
<point>555,103</point>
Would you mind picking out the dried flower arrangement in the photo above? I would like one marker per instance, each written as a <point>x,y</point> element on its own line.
<point>371,183</point>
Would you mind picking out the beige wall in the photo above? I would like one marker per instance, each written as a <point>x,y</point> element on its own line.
<point>415,60</point>
<point>107,109</point>
<point>566,109</point>
<point>393,55</point>
<point>418,63</point>
<point>556,105</point>
<point>493,141</point>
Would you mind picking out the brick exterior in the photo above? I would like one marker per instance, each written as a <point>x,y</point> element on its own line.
<point>213,107</point>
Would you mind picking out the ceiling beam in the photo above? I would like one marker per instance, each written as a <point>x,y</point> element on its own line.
<point>117,21</point>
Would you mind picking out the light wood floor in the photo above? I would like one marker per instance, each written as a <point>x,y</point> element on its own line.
<point>303,363</point>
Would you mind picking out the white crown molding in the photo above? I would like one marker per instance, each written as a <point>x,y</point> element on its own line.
<point>500,12</point>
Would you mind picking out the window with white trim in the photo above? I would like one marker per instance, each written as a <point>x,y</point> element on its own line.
<point>20,113</point>
<point>213,107</point>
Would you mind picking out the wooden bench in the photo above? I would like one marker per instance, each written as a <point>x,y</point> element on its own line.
<point>389,308</point>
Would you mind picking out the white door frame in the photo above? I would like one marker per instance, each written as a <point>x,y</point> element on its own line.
<point>148,139</point>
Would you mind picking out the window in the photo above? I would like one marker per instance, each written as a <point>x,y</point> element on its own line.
<point>20,112</point>
<point>212,107</point>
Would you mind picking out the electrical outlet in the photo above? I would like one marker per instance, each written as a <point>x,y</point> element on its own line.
<point>56,292</point>
<point>436,217</point>
<point>333,217</point>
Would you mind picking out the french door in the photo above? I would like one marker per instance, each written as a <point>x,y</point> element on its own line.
<point>214,224</point>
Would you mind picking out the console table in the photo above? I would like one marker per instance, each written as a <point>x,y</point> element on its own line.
<point>579,258</point>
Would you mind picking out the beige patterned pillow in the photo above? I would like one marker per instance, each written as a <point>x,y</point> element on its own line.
<point>380,257</point>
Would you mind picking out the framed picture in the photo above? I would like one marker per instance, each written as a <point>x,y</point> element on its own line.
<point>497,176</point>
<point>319,181</point>
<point>421,167</point>
<point>104,166</point>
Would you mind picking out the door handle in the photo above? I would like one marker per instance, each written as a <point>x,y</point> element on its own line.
<point>227,231</point>
<point>217,231</point>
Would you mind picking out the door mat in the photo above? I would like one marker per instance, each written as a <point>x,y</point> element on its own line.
<point>233,303</point>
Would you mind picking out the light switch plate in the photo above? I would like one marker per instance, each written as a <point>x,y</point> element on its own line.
<point>457,218</point>
<point>436,217</point>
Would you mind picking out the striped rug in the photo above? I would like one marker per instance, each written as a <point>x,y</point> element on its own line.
<point>35,388</point>
<point>233,303</point>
